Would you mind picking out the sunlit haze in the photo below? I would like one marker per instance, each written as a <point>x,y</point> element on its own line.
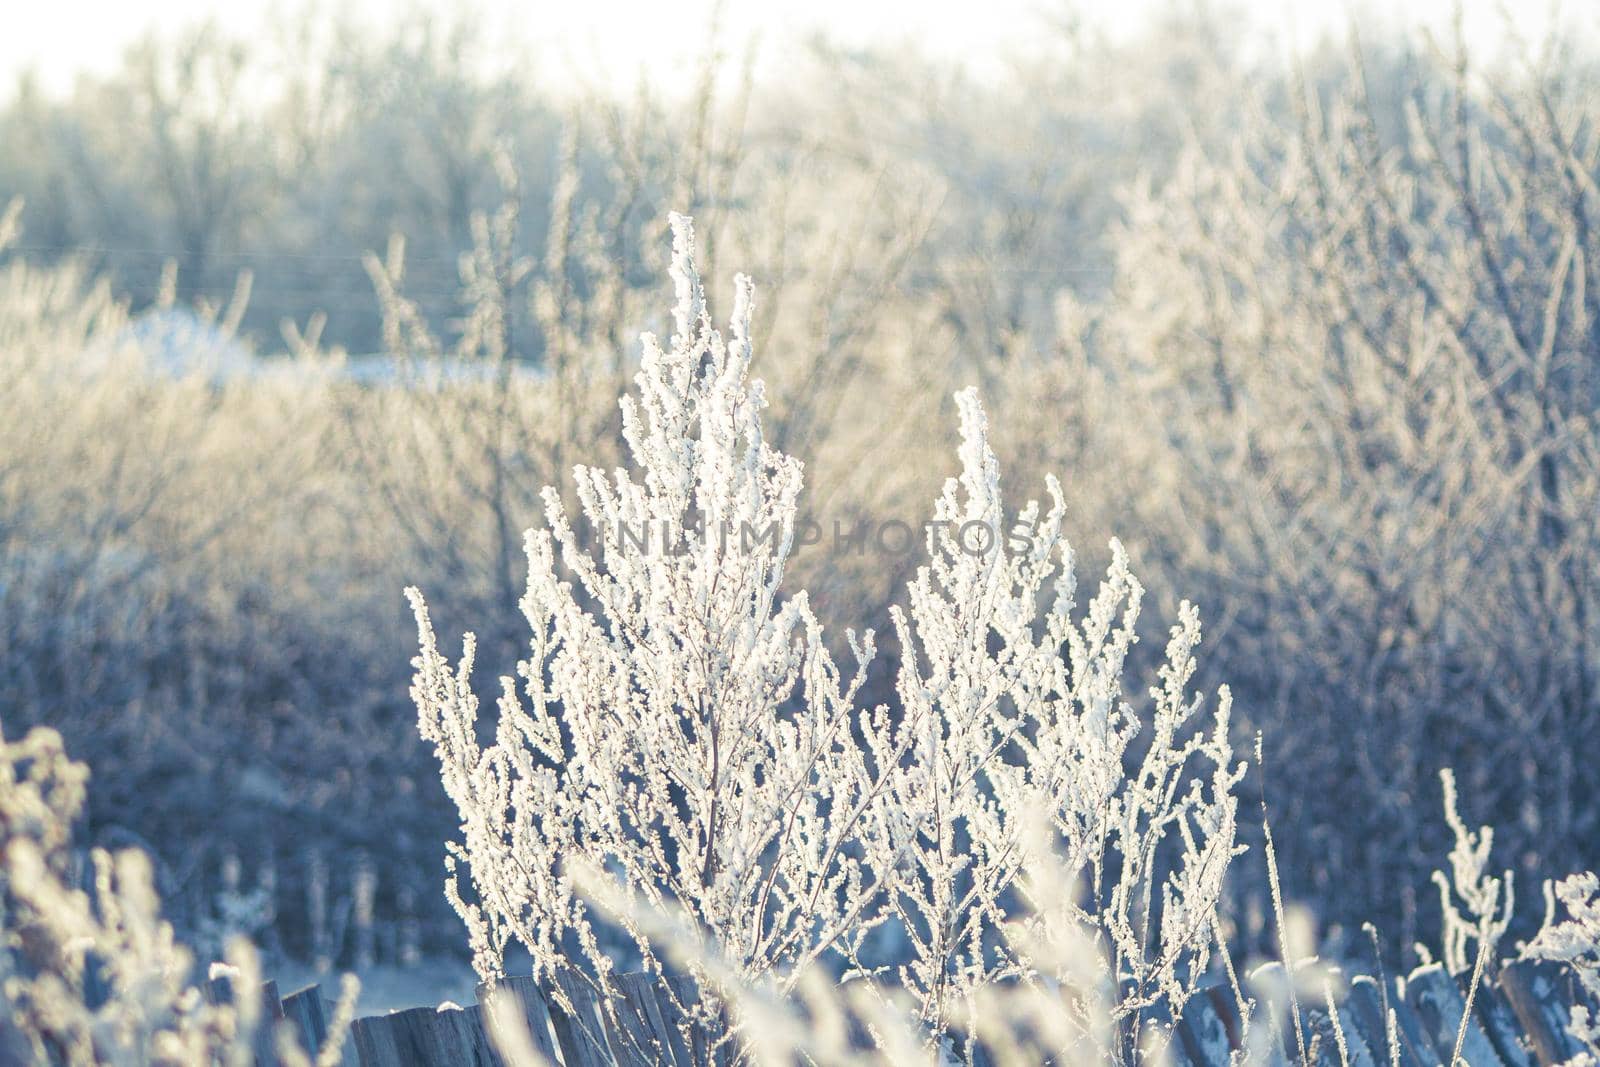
<point>611,42</point>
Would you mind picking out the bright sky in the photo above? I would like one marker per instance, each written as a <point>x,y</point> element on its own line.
<point>610,39</point>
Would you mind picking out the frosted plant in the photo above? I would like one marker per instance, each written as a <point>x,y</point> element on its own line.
<point>1004,727</point>
<point>682,735</point>
<point>1576,942</point>
<point>1387,296</point>
<point>54,934</point>
<point>1480,893</point>
<point>681,723</point>
<point>144,1011</point>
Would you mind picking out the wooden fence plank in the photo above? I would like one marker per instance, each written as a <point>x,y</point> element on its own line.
<point>266,1042</point>
<point>535,1013</point>
<point>376,1041</point>
<point>1204,1030</point>
<point>308,1013</point>
<point>632,1036</point>
<point>1518,1020</point>
<point>1439,1002</point>
<point>1539,994</point>
<point>1500,1025</point>
<point>221,990</point>
<point>581,1026</point>
<point>458,1036</point>
<point>425,1037</point>
<point>1364,1004</point>
<point>677,1023</point>
<point>1414,1048</point>
<point>660,1022</point>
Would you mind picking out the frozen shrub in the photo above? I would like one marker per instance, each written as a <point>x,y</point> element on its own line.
<point>1488,901</point>
<point>1007,712</point>
<point>93,975</point>
<point>1575,941</point>
<point>659,734</point>
<point>1364,336</point>
<point>59,938</point>
<point>681,736</point>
